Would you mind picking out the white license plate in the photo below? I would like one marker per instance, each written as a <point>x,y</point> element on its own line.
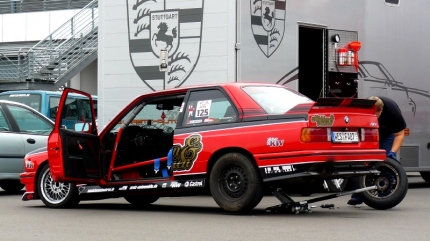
<point>344,137</point>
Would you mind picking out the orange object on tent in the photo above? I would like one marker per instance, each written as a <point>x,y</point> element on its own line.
<point>355,46</point>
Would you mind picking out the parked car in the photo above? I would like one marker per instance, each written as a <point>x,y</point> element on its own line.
<point>22,130</point>
<point>46,102</point>
<point>236,140</point>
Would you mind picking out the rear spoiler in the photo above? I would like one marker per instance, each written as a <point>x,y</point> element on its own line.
<point>345,102</point>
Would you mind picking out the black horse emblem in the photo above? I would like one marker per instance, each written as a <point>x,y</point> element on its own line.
<point>162,36</point>
<point>267,16</point>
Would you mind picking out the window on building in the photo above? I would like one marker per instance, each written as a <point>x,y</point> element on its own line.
<point>392,2</point>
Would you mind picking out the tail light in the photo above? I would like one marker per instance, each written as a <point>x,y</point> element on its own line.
<point>371,135</point>
<point>315,135</point>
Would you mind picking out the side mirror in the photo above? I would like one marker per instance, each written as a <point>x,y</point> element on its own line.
<point>81,126</point>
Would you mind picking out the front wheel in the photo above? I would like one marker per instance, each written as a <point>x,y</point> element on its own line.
<point>391,183</point>
<point>235,183</point>
<point>56,194</point>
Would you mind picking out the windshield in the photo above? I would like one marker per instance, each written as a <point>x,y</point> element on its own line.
<point>275,100</point>
<point>32,100</point>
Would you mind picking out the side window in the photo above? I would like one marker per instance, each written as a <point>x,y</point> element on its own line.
<point>155,116</point>
<point>4,123</point>
<point>208,107</point>
<point>53,107</point>
<point>29,122</point>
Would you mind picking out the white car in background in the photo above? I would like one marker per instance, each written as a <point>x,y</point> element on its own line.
<point>22,130</point>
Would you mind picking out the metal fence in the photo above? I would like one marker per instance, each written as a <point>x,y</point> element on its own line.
<point>23,6</point>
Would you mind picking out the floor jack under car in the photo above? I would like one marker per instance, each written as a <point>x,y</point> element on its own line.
<point>288,205</point>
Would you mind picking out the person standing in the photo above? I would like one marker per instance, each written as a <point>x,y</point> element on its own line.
<point>391,131</point>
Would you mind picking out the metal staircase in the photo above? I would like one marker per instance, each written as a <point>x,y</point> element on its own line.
<point>56,59</point>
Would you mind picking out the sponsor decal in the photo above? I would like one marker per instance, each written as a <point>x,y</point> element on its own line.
<point>164,185</point>
<point>123,188</point>
<point>322,120</point>
<point>373,124</point>
<point>279,169</point>
<point>194,183</point>
<point>175,26</point>
<point>268,24</point>
<point>140,187</point>
<point>29,164</point>
<point>185,155</point>
<point>195,121</point>
<point>175,185</point>
<point>19,95</point>
<point>274,142</point>
<point>97,190</point>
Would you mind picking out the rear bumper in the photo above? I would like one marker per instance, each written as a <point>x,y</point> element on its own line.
<point>322,164</point>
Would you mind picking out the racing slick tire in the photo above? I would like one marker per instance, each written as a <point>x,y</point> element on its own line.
<point>56,194</point>
<point>392,186</point>
<point>424,175</point>
<point>235,183</point>
<point>141,200</point>
<point>11,186</point>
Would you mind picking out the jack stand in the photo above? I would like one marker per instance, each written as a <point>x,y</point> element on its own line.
<point>288,205</point>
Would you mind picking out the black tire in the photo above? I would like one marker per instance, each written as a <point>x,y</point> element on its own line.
<point>56,194</point>
<point>141,200</point>
<point>11,186</point>
<point>392,186</point>
<point>425,176</point>
<point>235,183</point>
<point>343,183</point>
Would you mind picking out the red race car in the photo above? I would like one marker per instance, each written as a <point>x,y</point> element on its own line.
<point>236,140</point>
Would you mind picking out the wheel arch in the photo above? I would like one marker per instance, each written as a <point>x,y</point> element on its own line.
<point>39,170</point>
<point>216,155</point>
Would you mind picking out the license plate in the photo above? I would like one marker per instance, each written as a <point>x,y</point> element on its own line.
<point>344,137</point>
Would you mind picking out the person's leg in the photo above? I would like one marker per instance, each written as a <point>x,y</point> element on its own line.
<point>385,143</point>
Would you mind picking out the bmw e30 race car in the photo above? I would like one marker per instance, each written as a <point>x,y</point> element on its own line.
<point>236,140</point>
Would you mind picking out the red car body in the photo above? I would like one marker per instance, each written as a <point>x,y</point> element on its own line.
<point>271,135</point>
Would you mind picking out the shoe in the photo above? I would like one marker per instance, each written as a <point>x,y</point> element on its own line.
<point>354,201</point>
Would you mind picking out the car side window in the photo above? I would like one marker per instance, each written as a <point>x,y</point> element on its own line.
<point>208,107</point>
<point>29,122</point>
<point>4,124</point>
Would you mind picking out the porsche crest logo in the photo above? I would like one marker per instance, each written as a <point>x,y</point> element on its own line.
<point>185,156</point>
<point>175,26</point>
<point>268,23</point>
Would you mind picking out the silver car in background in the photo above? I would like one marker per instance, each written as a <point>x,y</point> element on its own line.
<point>22,129</point>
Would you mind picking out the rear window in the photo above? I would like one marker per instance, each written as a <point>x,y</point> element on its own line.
<point>32,100</point>
<point>275,100</point>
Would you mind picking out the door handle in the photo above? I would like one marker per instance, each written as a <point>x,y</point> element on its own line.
<point>31,141</point>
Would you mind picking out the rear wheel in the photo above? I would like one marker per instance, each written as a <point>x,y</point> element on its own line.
<point>11,186</point>
<point>425,176</point>
<point>56,194</point>
<point>235,183</point>
<point>141,200</point>
<point>391,183</point>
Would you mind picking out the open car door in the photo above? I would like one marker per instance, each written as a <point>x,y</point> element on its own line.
<point>74,154</point>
